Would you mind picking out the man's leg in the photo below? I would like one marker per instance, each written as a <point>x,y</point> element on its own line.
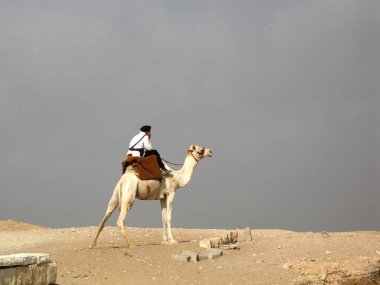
<point>159,160</point>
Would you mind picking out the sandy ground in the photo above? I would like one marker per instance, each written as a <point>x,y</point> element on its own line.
<point>273,257</point>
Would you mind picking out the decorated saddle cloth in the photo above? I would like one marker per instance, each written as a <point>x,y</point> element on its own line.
<point>147,168</point>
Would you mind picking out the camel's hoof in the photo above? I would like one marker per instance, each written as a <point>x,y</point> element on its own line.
<point>92,246</point>
<point>172,242</point>
<point>164,242</point>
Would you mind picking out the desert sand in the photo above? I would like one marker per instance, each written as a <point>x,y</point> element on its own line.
<point>273,257</point>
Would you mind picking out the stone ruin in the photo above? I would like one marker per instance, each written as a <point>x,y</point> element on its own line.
<point>213,246</point>
<point>229,240</point>
<point>27,268</point>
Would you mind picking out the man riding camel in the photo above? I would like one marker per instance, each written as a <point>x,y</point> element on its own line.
<point>141,146</point>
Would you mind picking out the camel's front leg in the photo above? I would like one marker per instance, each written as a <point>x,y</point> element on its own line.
<point>163,213</point>
<point>100,228</point>
<point>128,197</point>
<point>169,206</point>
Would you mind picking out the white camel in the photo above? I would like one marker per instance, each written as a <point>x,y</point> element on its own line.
<point>130,187</point>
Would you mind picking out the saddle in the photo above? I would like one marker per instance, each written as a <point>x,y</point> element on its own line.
<point>147,168</point>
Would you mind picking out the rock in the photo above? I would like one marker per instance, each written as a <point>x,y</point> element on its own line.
<point>234,236</point>
<point>213,255</point>
<point>325,234</point>
<point>202,257</point>
<point>215,242</point>
<point>230,237</point>
<point>231,246</point>
<point>248,235</point>
<point>287,265</point>
<point>181,257</point>
<point>227,238</point>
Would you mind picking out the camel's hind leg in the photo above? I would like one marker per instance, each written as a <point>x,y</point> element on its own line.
<point>127,199</point>
<point>112,205</point>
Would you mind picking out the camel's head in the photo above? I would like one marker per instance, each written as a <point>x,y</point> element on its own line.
<point>199,152</point>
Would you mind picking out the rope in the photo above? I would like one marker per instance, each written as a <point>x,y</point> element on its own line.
<point>171,162</point>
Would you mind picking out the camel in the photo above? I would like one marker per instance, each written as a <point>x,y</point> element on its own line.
<point>130,187</point>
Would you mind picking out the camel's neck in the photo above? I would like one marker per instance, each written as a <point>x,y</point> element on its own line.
<point>184,174</point>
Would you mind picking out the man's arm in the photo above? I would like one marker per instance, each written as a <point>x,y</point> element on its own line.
<point>147,145</point>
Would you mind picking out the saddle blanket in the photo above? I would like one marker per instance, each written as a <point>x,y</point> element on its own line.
<point>147,168</point>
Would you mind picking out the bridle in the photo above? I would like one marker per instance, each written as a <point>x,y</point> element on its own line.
<point>194,156</point>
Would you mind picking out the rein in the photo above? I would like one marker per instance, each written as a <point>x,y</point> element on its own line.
<point>171,162</point>
<point>180,163</point>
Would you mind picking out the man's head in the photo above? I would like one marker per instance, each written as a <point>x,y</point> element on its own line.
<point>146,130</point>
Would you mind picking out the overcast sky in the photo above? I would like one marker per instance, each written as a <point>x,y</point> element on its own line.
<point>286,94</point>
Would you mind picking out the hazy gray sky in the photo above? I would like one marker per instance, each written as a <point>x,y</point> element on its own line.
<point>286,93</point>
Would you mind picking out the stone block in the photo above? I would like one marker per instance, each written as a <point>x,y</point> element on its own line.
<point>215,242</point>
<point>43,258</point>
<point>205,243</point>
<point>181,257</point>
<point>193,255</point>
<point>202,257</point>
<point>215,251</point>
<point>241,235</point>
<point>210,243</point>
<point>44,273</point>
<point>17,259</point>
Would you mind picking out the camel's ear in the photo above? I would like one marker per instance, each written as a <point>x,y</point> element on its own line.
<point>193,147</point>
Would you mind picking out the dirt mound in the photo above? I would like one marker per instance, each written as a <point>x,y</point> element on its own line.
<point>15,226</point>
